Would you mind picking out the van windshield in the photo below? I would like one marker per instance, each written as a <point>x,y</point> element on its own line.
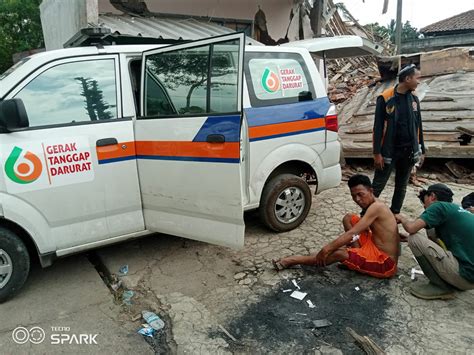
<point>14,67</point>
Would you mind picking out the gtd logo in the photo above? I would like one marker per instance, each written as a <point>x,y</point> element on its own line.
<point>23,171</point>
<point>35,335</point>
<point>270,81</point>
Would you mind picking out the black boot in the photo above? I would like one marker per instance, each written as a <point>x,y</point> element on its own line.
<point>437,288</point>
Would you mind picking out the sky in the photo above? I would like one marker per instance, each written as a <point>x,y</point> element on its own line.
<point>420,13</point>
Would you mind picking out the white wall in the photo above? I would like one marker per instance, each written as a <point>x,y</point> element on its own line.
<point>61,19</point>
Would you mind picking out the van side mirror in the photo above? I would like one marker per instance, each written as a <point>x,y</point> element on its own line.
<point>305,96</point>
<point>13,115</point>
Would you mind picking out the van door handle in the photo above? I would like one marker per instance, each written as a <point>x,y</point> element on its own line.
<point>106,141</point>
<point>215,138</point>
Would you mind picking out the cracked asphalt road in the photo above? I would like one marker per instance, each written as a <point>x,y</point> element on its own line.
<point>201,288</point>
<point>203,291</point>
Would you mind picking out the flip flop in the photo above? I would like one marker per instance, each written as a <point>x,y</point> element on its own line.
<point>277,265</point>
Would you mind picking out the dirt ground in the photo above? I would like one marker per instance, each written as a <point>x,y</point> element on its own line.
<point>218,300</point>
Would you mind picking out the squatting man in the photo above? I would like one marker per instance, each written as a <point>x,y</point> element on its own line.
<point>446,253</point>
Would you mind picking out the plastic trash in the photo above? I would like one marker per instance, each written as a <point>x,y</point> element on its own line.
<point>414,271</point>
<point>153,320</point>
<point>123,270</point>
<point>116,286</point>
<point>147,331</point>
<point>298,295</point>
<point>321,323</point>
<point>127,297</point>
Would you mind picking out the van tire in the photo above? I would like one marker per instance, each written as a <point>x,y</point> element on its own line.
<point>13,252</point>
<point>299,191</point>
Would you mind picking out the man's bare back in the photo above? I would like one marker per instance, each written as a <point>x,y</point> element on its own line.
<point>384,228</point>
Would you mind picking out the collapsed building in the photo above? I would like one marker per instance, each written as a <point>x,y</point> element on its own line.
<point>447,96</point>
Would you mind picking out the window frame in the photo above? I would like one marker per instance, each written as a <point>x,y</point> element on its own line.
<point>254,100</point>
<point>208,87</point>
<point>67,60</point>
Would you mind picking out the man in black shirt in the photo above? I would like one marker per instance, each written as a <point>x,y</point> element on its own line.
<point>398,135</point>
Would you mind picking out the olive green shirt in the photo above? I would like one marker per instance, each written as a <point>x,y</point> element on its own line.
<point>455,227</point>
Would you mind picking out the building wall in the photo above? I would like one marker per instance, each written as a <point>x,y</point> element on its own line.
<point>277,11</point>
<point>62,19</point>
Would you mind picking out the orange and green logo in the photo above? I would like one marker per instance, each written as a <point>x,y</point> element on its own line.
<point>26,171</point>
<point>270,81</point>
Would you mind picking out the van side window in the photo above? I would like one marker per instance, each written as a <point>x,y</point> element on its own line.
<point>193,81</point>
<point>72,92</point>
<point>277,78</point>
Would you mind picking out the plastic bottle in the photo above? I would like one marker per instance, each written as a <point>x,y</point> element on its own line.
<point>153,320</point>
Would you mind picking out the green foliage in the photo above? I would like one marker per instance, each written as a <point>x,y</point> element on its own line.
<point>20,29</point>
<point>388,32</point>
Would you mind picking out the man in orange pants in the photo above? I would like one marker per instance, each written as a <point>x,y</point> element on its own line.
<point>369,245</point>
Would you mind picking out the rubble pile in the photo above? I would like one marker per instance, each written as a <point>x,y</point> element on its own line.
<point>346,76</point>
<point>345,81</point>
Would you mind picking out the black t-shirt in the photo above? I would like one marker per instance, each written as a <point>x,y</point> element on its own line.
<point>404,129</point>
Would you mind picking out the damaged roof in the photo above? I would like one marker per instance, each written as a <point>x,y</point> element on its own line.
<point>163,27</point>
<point>459,23</point>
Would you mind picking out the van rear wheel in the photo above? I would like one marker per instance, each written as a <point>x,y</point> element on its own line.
<point>14,264</point>
<point>285,203</point>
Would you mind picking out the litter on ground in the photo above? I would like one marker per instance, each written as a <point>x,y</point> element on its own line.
<point>298,295</point>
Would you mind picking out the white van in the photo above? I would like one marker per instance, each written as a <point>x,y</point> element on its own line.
<point>103,144</point>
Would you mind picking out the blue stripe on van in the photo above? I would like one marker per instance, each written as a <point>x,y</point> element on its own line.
<point>261,116</point>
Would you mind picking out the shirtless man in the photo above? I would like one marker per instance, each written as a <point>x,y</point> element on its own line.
<point>369,245</point>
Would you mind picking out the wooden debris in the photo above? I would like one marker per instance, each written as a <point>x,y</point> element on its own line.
<point>447,124</point>
<point>348,75</point>
<point>458,171</point>
<point>367,344</point>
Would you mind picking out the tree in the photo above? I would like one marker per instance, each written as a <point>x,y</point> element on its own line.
<point>96,106</point>
<point>388,32</point>
<point>20,29</point>
<point>189,70</point>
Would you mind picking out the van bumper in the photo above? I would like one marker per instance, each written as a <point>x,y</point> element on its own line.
<point>331,177</point>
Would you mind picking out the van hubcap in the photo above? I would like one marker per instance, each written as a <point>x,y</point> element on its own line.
<point>6,268</point>
<point>290,205</point>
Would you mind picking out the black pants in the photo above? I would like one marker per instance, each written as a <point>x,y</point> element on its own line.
<point>403,165</point>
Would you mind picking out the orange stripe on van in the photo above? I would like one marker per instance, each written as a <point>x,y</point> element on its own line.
<point>188,149</point>
<point>116,151</point>
<point>285,128</point>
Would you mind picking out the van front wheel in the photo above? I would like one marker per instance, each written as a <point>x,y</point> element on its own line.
<point>14,264</point>
<point>285,203</point>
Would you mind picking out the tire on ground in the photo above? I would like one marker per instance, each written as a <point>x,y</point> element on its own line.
<point>14,247</point>
<point>270,194</point>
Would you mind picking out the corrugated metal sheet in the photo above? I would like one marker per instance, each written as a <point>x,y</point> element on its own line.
<point>163,27</point>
